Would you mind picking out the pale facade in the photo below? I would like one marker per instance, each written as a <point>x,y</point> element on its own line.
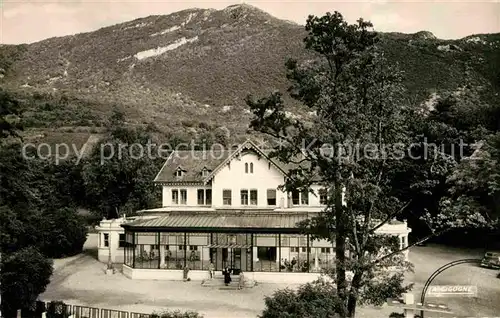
<point>226,210</point>
<point>250,174</point>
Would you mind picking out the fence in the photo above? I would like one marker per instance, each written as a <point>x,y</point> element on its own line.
<point>62,310</point>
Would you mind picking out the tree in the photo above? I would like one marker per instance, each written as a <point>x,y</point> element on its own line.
<point>63,233</point>
<point>118,174</point>
<point>475,185</point>
<point>17,176</point>
<point>313,300</point>
<point>24,275</point>
<point>62,184</point>
<point>354,142</point>
<point>9,113</point>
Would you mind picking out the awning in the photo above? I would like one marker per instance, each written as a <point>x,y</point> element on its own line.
<point>222,223</point>
<point>229,246</point>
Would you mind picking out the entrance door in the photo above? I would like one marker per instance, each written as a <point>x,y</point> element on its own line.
<point>237,259</point>
<point>225,258</point>
<point>219,257</point>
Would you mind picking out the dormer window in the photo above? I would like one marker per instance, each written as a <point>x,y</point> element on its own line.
<point>205,172</point>
<point>179,172</point>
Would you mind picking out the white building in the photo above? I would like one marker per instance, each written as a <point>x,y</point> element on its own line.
<point>224,207</point>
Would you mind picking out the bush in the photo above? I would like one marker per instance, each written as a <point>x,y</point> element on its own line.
<point>176,314</point>
<point>67,232</point>
<point>312,300</point>
<point>24,275</point>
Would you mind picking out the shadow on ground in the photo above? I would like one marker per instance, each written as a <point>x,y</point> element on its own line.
<point>92,252</point>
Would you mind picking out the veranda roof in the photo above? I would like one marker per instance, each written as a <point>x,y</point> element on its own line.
<point>256,223</point>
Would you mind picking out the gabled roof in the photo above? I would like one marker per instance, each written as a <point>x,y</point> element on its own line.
<point>193,162</point>
<point>248,144</point>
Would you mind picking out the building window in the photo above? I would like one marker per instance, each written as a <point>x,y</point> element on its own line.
<point>325,250</point>
<point>271,196</point>
<point>294,249</point>
<point>304,249</point>
<point>253,197</point>
<point>106,240</point>
<point>251,167</point>
<point>323,197</point>
<point>201,197</point>
<point>403,242</point>
<point>181,247</point>
<point>204,196</point>
<point>300,198</point>
<point>121,242</point>
<point>193,247</point>
<point>295,197</point>
<point>208,197</point>
<point>175,196</point>
<point>183,196</point>
<point>244,197</point>
<point>226,197</point>
<point>246,167</point>
<point>304,197</point>
<point>178,173</point>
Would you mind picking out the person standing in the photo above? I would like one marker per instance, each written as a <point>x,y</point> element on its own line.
<point>227,275</point>
<point>241,284</point>
<point>211,268</point>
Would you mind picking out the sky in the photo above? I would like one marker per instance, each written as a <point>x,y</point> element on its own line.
<point>27,21</point>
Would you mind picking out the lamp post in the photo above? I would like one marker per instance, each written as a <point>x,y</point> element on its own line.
<point>109,269</point>
<point>110,262</point>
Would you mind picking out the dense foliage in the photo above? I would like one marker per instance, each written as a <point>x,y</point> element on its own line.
<point>25,274</point>
<point>118,174</point>
<point>36,208</point>
<point>37,217</point>
<point>313,300</point>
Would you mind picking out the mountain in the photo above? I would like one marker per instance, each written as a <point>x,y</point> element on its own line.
<point>189,72</point>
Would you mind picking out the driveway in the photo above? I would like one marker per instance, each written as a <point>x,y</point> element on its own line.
<point>429,258</point>
<point>81,280</point>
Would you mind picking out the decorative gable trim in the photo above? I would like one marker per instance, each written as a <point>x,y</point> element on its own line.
<point>180,183</point>
<point>247,145</point>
